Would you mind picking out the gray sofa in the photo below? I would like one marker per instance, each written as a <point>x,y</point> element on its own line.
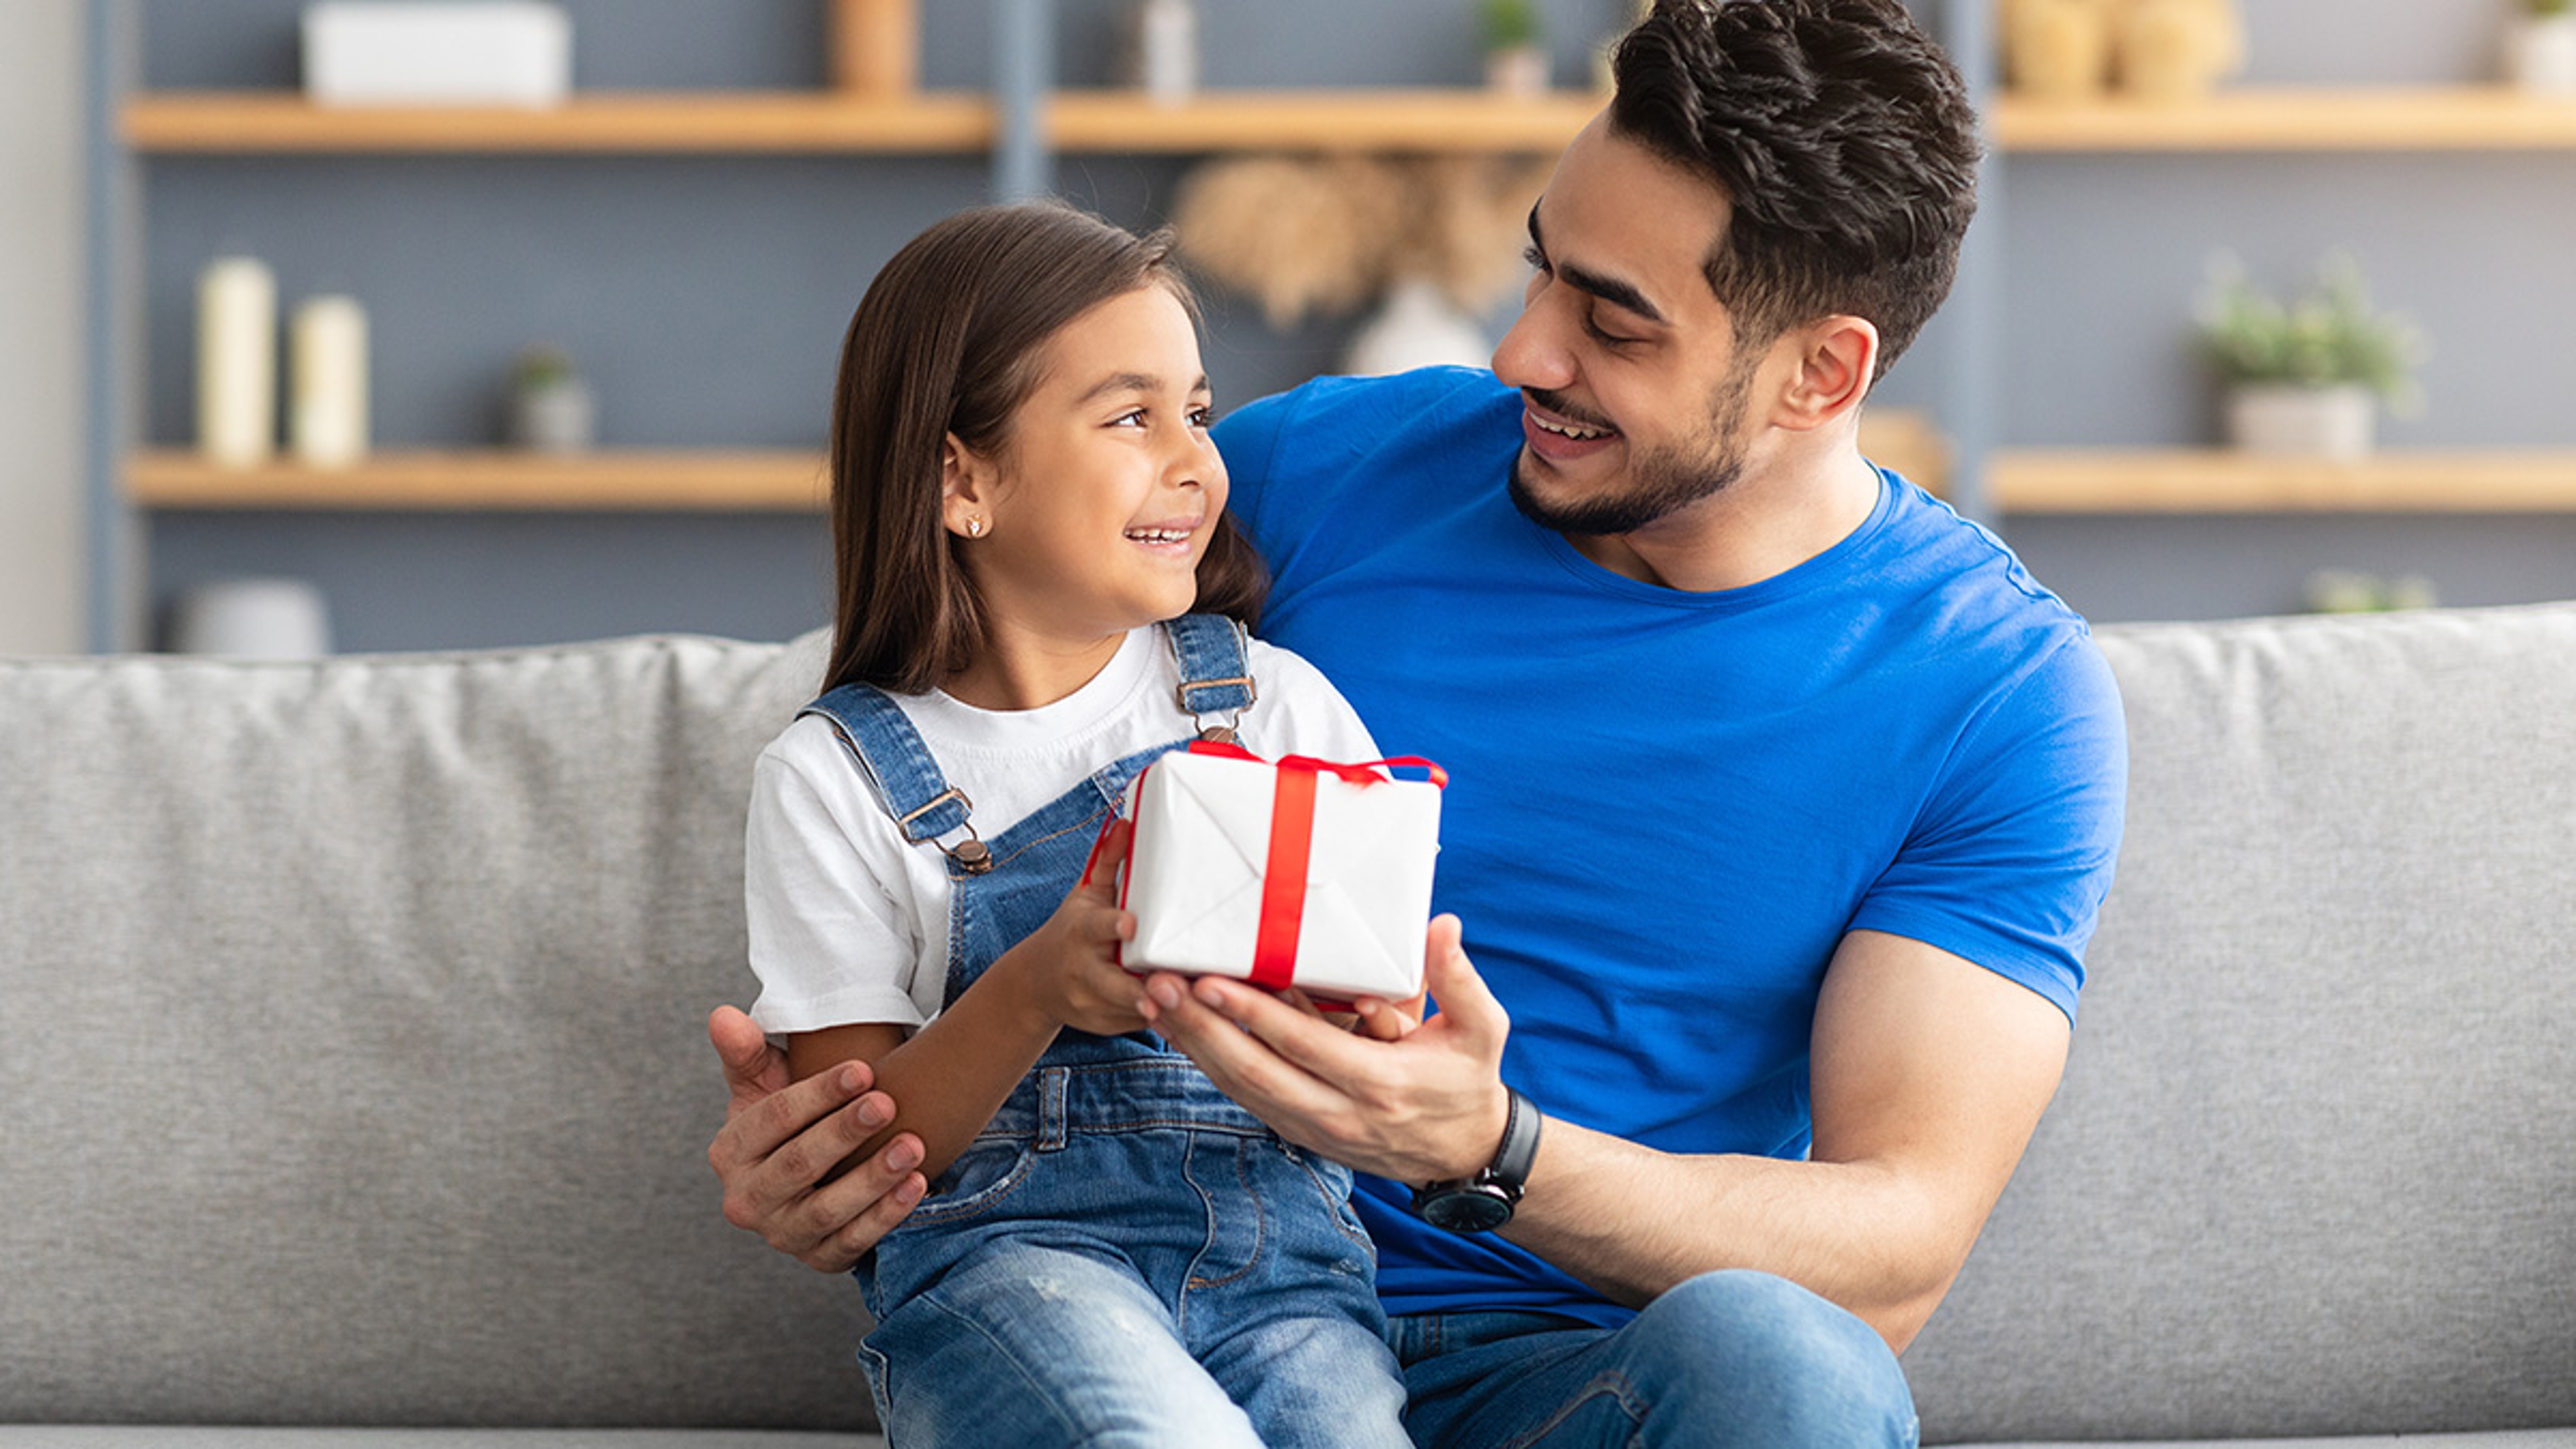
<point>354,1074</point>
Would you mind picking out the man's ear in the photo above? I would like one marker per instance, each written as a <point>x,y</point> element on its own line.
<point>1833,363</point>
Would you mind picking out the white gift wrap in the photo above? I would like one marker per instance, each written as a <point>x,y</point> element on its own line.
<point>1196,870</point>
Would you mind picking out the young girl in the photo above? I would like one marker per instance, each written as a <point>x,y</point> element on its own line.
<point>1027,508</point>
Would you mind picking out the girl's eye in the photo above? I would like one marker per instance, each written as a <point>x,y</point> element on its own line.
<point>1203,418</point>
<point>1135,418</point>
<point>1536,258</point>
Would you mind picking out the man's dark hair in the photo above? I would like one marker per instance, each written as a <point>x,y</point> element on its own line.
<point>1841,134</point>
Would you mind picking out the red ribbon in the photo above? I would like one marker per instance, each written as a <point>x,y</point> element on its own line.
<point>1292,845</point>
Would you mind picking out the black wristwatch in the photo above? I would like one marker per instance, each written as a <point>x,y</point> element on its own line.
<point>1484,1202</point>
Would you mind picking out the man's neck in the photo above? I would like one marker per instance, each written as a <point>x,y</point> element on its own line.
<point>1761,526</point>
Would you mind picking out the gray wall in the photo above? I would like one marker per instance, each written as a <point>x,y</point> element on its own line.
<point>42,521</point>
<point>705,298</point>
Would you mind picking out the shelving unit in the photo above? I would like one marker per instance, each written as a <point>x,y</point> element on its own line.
<point>1024,123</point>
<point>2283,120</point>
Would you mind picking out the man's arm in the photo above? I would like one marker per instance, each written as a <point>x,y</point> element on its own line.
<point>1929,1074</point>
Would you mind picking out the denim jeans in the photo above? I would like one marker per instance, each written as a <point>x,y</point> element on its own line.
<point>1733,1359</point>
<point>1126,1258</point>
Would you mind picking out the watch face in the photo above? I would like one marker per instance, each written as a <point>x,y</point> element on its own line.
<point>1468,1210</point>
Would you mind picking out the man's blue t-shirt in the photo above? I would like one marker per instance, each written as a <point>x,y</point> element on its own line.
<point>1665,808</point>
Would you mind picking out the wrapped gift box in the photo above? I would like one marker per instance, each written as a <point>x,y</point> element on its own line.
<point>1298,873</point>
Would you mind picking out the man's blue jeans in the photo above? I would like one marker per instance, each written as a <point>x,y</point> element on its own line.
<point>1733,1359</point>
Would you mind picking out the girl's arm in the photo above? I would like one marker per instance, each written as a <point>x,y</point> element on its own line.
<point>949,1078</point>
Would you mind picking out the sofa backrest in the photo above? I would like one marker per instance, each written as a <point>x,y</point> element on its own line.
<point>355,1068</point>
<point>2313,1166</point>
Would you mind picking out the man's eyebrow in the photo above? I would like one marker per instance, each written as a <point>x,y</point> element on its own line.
<point>1609,289</point>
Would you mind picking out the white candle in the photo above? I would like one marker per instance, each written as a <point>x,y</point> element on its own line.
<point>236,361</point>
<point>327,409</point>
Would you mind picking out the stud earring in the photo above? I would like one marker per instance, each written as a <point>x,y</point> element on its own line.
<point>975,526</point>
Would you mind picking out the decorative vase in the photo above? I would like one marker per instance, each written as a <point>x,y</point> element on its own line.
<point>1163,50</point>
<point>2059,49</point>
<point>2540,53</point>
<point>1416,327</point>
<point>252,618</point>
<point>1517,70</point>
<point>2338,421</point>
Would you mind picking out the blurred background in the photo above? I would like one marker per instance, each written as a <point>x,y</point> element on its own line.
<point>597,293</point>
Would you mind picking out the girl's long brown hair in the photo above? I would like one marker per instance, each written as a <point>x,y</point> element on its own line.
<point>948,340</point>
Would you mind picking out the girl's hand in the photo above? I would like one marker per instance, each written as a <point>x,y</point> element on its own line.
<point>1069,966</point>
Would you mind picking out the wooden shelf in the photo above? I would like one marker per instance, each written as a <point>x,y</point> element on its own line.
<point>2214,481</point>
<point>635,122</point>
<point>2489,118</point>
<point>1319,120</point>
<point>443,481</point>
<point>758,122</point>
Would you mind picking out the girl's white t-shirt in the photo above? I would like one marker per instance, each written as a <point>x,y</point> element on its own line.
<point>849,921</point>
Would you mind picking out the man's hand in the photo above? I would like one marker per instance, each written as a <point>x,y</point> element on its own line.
<point>781,1142</point>
<point>1424,1107</point>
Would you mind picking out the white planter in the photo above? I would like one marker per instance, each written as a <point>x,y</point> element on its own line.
<point>1416,327</point>
<point>2287,419</point>
<point>252,619</point>
<point>553,418</point>
<point>1520,70</point>
<point>2540,53</point>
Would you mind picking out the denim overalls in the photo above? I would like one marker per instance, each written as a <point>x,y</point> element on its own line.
<point>1119,1217</point>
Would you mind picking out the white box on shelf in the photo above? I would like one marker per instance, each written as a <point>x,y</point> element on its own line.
<point>437,53</point>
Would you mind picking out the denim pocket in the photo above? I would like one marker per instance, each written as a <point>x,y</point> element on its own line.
<point>1332,1182</point>
<point>988,1171</point>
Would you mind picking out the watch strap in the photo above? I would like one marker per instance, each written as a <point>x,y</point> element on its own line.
<point>1519,1150</point>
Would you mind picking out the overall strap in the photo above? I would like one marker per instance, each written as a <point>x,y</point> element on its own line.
<point>890,753</point>
<point>1216,670</point>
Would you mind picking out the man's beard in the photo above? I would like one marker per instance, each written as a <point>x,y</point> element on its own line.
<point>1659,483</point>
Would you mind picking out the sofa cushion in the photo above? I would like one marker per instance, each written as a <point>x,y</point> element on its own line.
<point>356,1066</point>
<point>2313,1167</point>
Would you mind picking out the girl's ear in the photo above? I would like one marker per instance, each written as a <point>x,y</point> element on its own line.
<point>966,489</point>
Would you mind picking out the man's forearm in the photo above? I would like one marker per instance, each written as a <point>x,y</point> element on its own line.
<point>1631,1222</point>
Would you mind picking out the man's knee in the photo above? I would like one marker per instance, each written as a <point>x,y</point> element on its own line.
<point>1773,1361</point>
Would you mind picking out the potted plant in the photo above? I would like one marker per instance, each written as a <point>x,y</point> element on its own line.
<point>550,407</point>
<point>2540,46</point>
<point>1516,58</point>
<point>2307,376</point>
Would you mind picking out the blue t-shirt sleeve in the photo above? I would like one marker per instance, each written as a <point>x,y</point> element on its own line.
<point>2008,865</point>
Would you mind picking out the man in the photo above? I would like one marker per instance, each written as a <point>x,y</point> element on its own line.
<point>1782,800</point>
